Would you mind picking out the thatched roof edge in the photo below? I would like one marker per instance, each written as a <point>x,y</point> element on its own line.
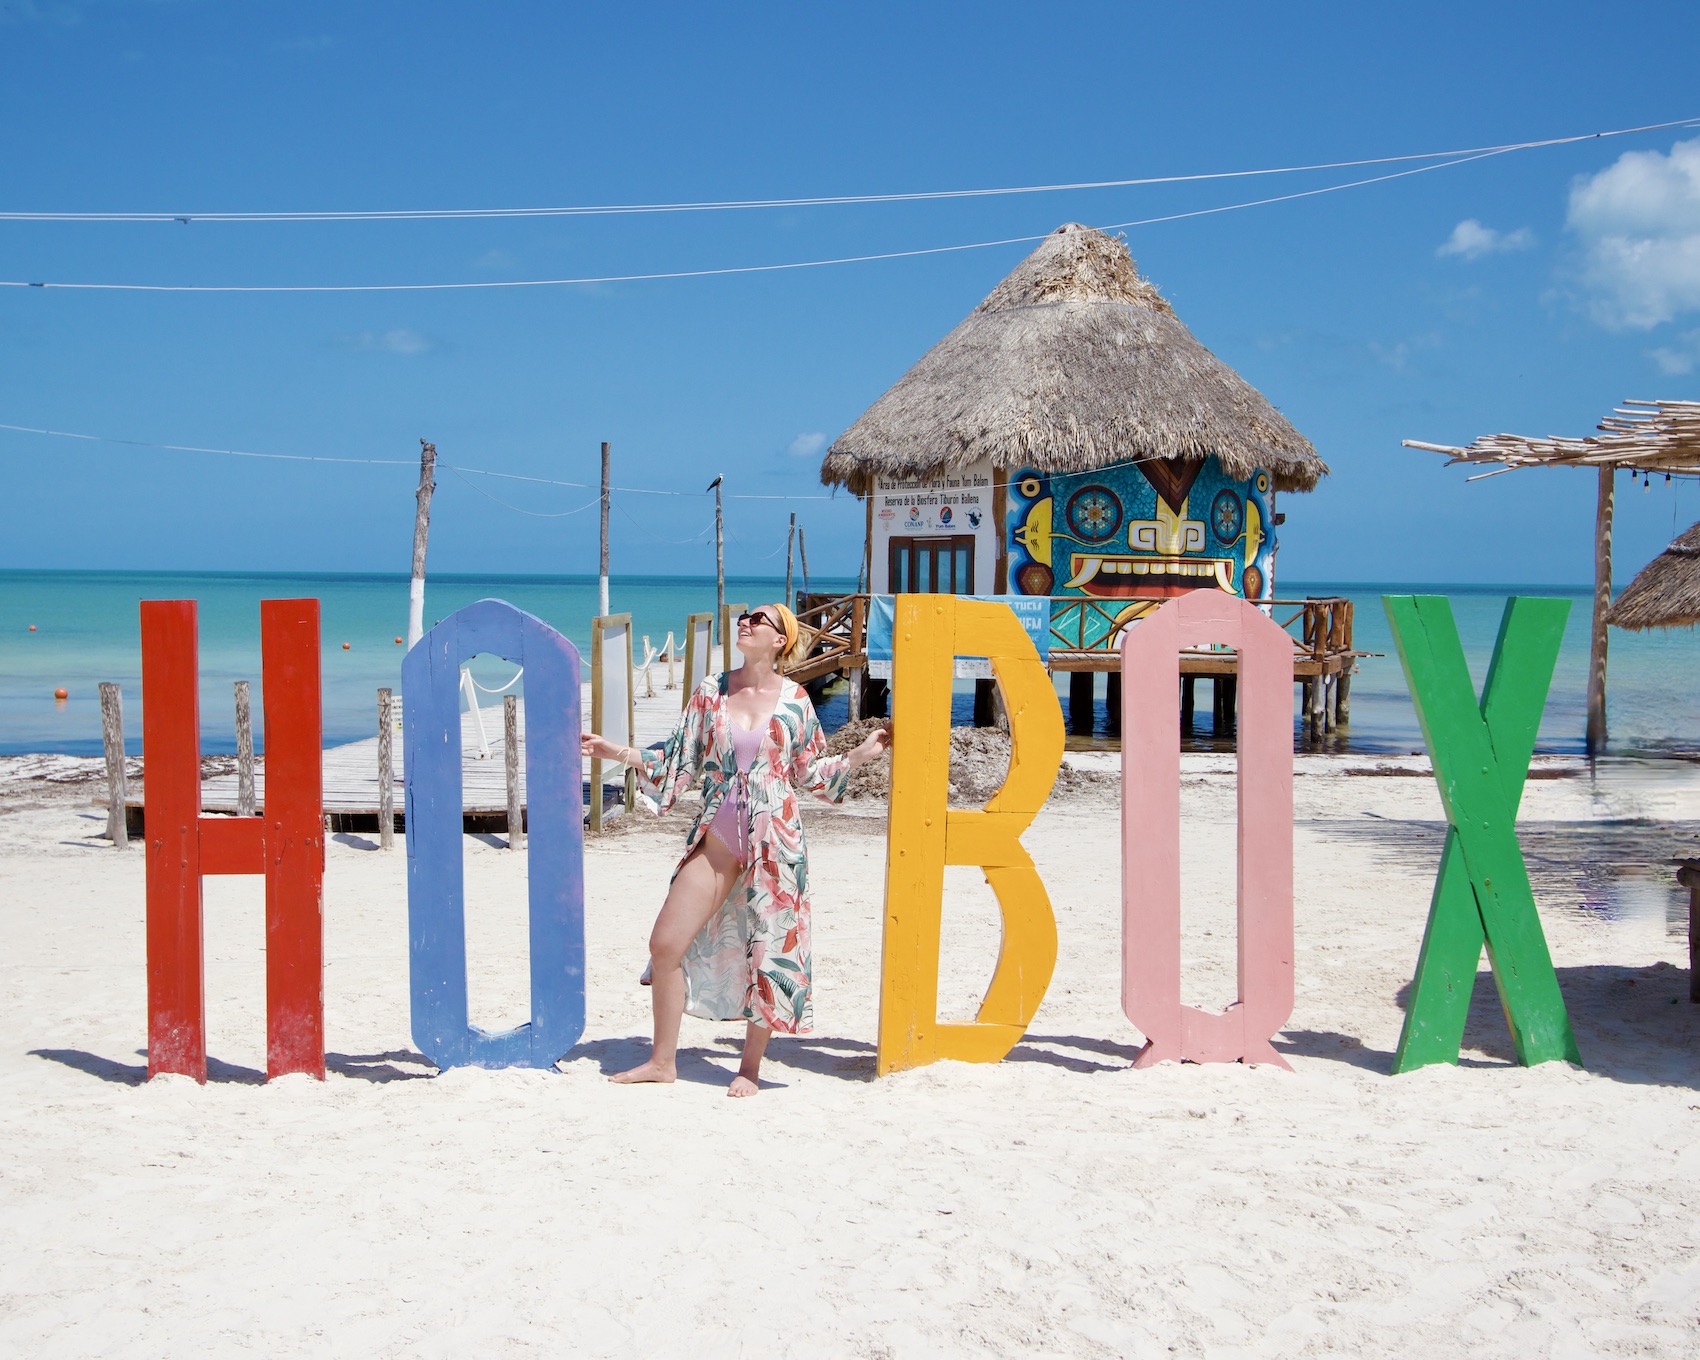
<point>1666,592</point>
<point>1072,362</point>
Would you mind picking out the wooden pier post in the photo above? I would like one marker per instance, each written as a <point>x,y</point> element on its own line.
<point>421,532</point>
<point>719,561</point>
<point>1113,703</point>
<point>117,782</point>
<point>1331,702</point>
<point>1189,699</point>
<point>1688,875</point>
<point>855,697</point>
<point>1596,739</point>
<point>602,570</point>
<point>244,752</point>
<point>1081,692</point>
<point>1317,700</point>
<point>790,540</point>
<point>510,754</point>
<point>1343,685</point>
<point>1230,689</point>
<point>386,770</point>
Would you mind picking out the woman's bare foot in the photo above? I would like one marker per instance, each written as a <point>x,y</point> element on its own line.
<point>742,1086</point>
<point>649,1071</point>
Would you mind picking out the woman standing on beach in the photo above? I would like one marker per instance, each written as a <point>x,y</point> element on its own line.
<point>732,939</point>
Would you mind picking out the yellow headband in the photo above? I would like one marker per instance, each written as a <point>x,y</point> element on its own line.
<point>788,622</point>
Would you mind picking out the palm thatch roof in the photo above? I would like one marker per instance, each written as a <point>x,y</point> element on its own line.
<point>1072,362</point>
<point>1643,436</point>
<point>1666,592</point>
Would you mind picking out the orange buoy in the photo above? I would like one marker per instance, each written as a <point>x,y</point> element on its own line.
<point>345,646</point>
<point>32,628</point>
<point>61,693</point>
<point>398,642</point>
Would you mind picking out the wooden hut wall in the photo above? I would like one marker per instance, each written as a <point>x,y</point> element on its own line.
<point>937,532</point>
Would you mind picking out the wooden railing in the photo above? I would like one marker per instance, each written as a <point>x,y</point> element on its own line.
<point>1084,634</point>
<point>832,635</point>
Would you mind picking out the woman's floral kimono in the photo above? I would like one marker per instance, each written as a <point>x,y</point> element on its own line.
<point>752,958</point>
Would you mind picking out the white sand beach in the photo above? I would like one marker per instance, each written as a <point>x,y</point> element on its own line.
<point>1057,1204</point>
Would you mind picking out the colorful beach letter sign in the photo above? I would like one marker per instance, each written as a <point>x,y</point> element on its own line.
<point>286,842</point>
<point>1481,753</point>
<point>929,632</point>
<point>436,885</point>
<point>1151,832</point>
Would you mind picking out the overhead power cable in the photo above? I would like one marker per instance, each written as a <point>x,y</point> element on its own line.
<point>659,275</point>
<point>826,200</point>
<point>411,463</point>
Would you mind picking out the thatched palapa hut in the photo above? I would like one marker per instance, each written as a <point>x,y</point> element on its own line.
<point>1666,592</point>
<point>1072,438</point>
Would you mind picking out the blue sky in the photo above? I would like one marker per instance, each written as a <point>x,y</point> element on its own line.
<point>1529,292</point>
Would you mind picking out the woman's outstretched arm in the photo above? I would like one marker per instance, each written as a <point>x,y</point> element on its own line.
<point>663,775</point>
<point>828,777</point>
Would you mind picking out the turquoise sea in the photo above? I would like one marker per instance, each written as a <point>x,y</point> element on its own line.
<point>86,631</point>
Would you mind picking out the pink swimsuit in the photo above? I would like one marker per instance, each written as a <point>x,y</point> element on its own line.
<point>731,824</point>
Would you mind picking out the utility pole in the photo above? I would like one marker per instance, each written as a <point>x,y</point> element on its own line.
<point>602,580</point>
<point>719,558</point>
<point>421,531</point>
<point>790,538</point>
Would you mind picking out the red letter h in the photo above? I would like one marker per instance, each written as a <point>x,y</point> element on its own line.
<point>286,843</point>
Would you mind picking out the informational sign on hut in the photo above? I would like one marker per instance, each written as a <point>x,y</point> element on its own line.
<point>935,534</point>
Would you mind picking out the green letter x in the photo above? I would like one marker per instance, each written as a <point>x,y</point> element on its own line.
<point>1482,895</point>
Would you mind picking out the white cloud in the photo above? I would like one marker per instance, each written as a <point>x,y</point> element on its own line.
<point>398,341</point>
<point>1676,360</point>
<point>1639,224</point>
<point>805,445</point>
<point>1472,240</point>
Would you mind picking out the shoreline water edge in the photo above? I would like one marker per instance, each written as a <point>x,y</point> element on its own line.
<point>72,630</point>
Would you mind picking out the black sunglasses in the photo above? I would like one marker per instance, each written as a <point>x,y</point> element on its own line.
<point>754,617</point>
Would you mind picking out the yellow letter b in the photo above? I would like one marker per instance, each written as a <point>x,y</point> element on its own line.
<point>928,632</point>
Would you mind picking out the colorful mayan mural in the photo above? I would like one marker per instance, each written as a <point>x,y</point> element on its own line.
<point>1132,536</point>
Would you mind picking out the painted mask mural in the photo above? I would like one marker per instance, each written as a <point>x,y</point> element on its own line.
<point>1129,537</point>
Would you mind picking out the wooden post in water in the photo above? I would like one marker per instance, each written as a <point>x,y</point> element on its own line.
<point>117,783</point>
<point>510,743</point>
<point>421,532</point>
<point>790,538</point>
<point>602,577</point>
<point>719,558</point>
<point>803,557</point>
<point>386,770</point>
<point>1189,700</point>
<point>244,752</point>
<point>1602,602</point>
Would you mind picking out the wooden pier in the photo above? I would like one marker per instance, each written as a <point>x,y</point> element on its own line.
<point>1085,640</point>
<point>351,772</point>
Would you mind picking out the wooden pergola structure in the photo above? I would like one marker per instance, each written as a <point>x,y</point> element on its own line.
<point>1644,437</point>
